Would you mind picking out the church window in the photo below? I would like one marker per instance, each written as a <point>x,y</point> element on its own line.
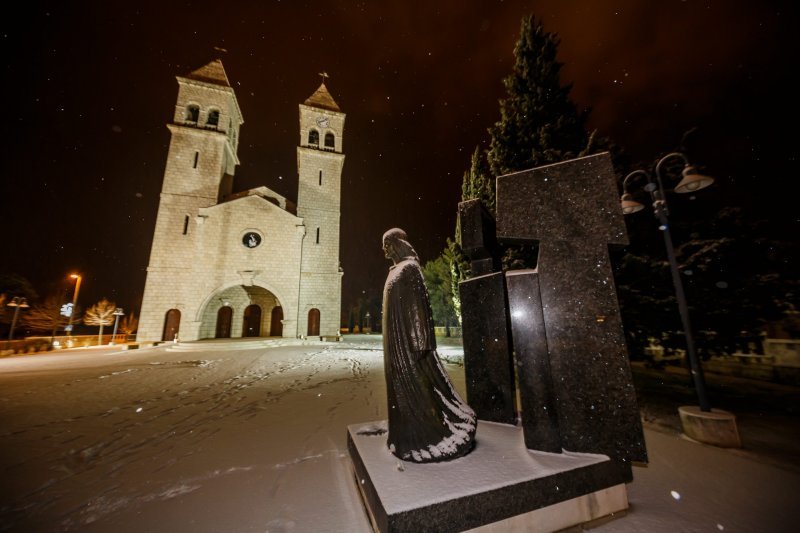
<point>329,141</point>
<point>213,118</point>
<point>320,177</point>
<point>186,224</point>
<point>196,157</point>
<point>192,113</point>
<point>317,235</point>
<point>313,137</point>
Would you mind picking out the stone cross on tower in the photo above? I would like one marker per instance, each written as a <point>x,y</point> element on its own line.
<point>572,210</point>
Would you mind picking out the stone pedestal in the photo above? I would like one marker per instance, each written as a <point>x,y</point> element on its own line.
<point>500,484</point>
<point>715,427</point>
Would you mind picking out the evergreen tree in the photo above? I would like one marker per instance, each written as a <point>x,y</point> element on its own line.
<point>440,292</point>
<point>538,124</point>
<point>478,183</point>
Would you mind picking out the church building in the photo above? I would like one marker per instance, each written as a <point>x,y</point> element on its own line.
<point>251,263</point>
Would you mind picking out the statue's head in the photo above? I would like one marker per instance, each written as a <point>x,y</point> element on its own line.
<point>396,246</point>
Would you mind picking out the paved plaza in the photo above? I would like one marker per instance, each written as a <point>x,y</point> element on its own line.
<point>209,437</point>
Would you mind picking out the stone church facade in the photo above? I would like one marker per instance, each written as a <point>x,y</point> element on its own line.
<point>251,263</point>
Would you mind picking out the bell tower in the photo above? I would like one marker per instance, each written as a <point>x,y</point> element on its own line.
<point>319,167</point>
<point>199,172</point>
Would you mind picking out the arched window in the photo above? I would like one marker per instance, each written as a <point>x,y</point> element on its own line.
<point>172,323</point>
<point>192,113</point>
<point>213,118</point>
<point>329,141</point>
<point>313,137</point>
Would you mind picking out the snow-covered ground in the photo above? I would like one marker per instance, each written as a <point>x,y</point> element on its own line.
<point>238,440</point>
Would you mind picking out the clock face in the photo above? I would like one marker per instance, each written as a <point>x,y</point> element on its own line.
<point>251,239</point>
<point>323,122</point>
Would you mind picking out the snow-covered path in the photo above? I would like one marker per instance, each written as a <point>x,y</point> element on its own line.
<point>254,440</point>
<point>250,440</point>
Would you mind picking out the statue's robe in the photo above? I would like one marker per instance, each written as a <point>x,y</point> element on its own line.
<point>428,420</point>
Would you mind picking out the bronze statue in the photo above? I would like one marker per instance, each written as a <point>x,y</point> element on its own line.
<point>428,420</point>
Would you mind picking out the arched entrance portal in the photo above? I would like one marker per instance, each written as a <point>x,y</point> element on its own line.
<point>224,319</point>
<point>172,323</point>
<point>251,326</point>
<point>275,324</point>
<point>313,322</point>
<point>255,322</point>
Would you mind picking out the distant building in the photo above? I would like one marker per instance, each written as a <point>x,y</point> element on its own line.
<point>249,263</point>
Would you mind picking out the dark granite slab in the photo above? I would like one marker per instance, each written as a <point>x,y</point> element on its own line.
<point>538,406</point>
<point>488,364</point>
<point>573,211</point>
<point>478,237</point>
<point>498,480</point>
<point>574,201</point>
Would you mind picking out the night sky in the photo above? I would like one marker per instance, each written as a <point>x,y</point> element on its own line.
<point>89,86</point>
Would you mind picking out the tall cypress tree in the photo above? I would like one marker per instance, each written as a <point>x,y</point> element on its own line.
<point>538,124</point>
<point>477,183</point>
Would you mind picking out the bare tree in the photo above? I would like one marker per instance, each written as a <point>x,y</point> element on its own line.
<point>100,314</point>
<point>46,316</point>
<point>129,324</point>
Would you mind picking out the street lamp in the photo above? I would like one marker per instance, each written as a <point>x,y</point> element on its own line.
<point>77,278</point>
<point>692,181</point>
<point>117,313</point>
<point>17,302</point>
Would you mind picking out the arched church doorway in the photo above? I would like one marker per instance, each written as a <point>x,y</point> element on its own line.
<point>172,323</point>
<point>251,326</point>
<point>251,313</point>
<point>313,322</point>
<point>275,324</point>
<point>224,320</point>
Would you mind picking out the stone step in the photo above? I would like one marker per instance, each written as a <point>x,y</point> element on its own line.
<point>238,344</point>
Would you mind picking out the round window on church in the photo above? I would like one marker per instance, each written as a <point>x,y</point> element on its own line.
<point>251,239</point>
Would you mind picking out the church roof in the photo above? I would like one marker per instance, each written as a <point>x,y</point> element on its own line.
<point>323,99</point>
<point>211,73</point>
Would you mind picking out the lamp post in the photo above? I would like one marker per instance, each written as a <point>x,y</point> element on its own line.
<point>692,181</point>
<point>117,313</point>
<point>17,302</point>
<point>77,278</point>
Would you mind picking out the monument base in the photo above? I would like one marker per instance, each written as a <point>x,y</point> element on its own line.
<point>500,484</point>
